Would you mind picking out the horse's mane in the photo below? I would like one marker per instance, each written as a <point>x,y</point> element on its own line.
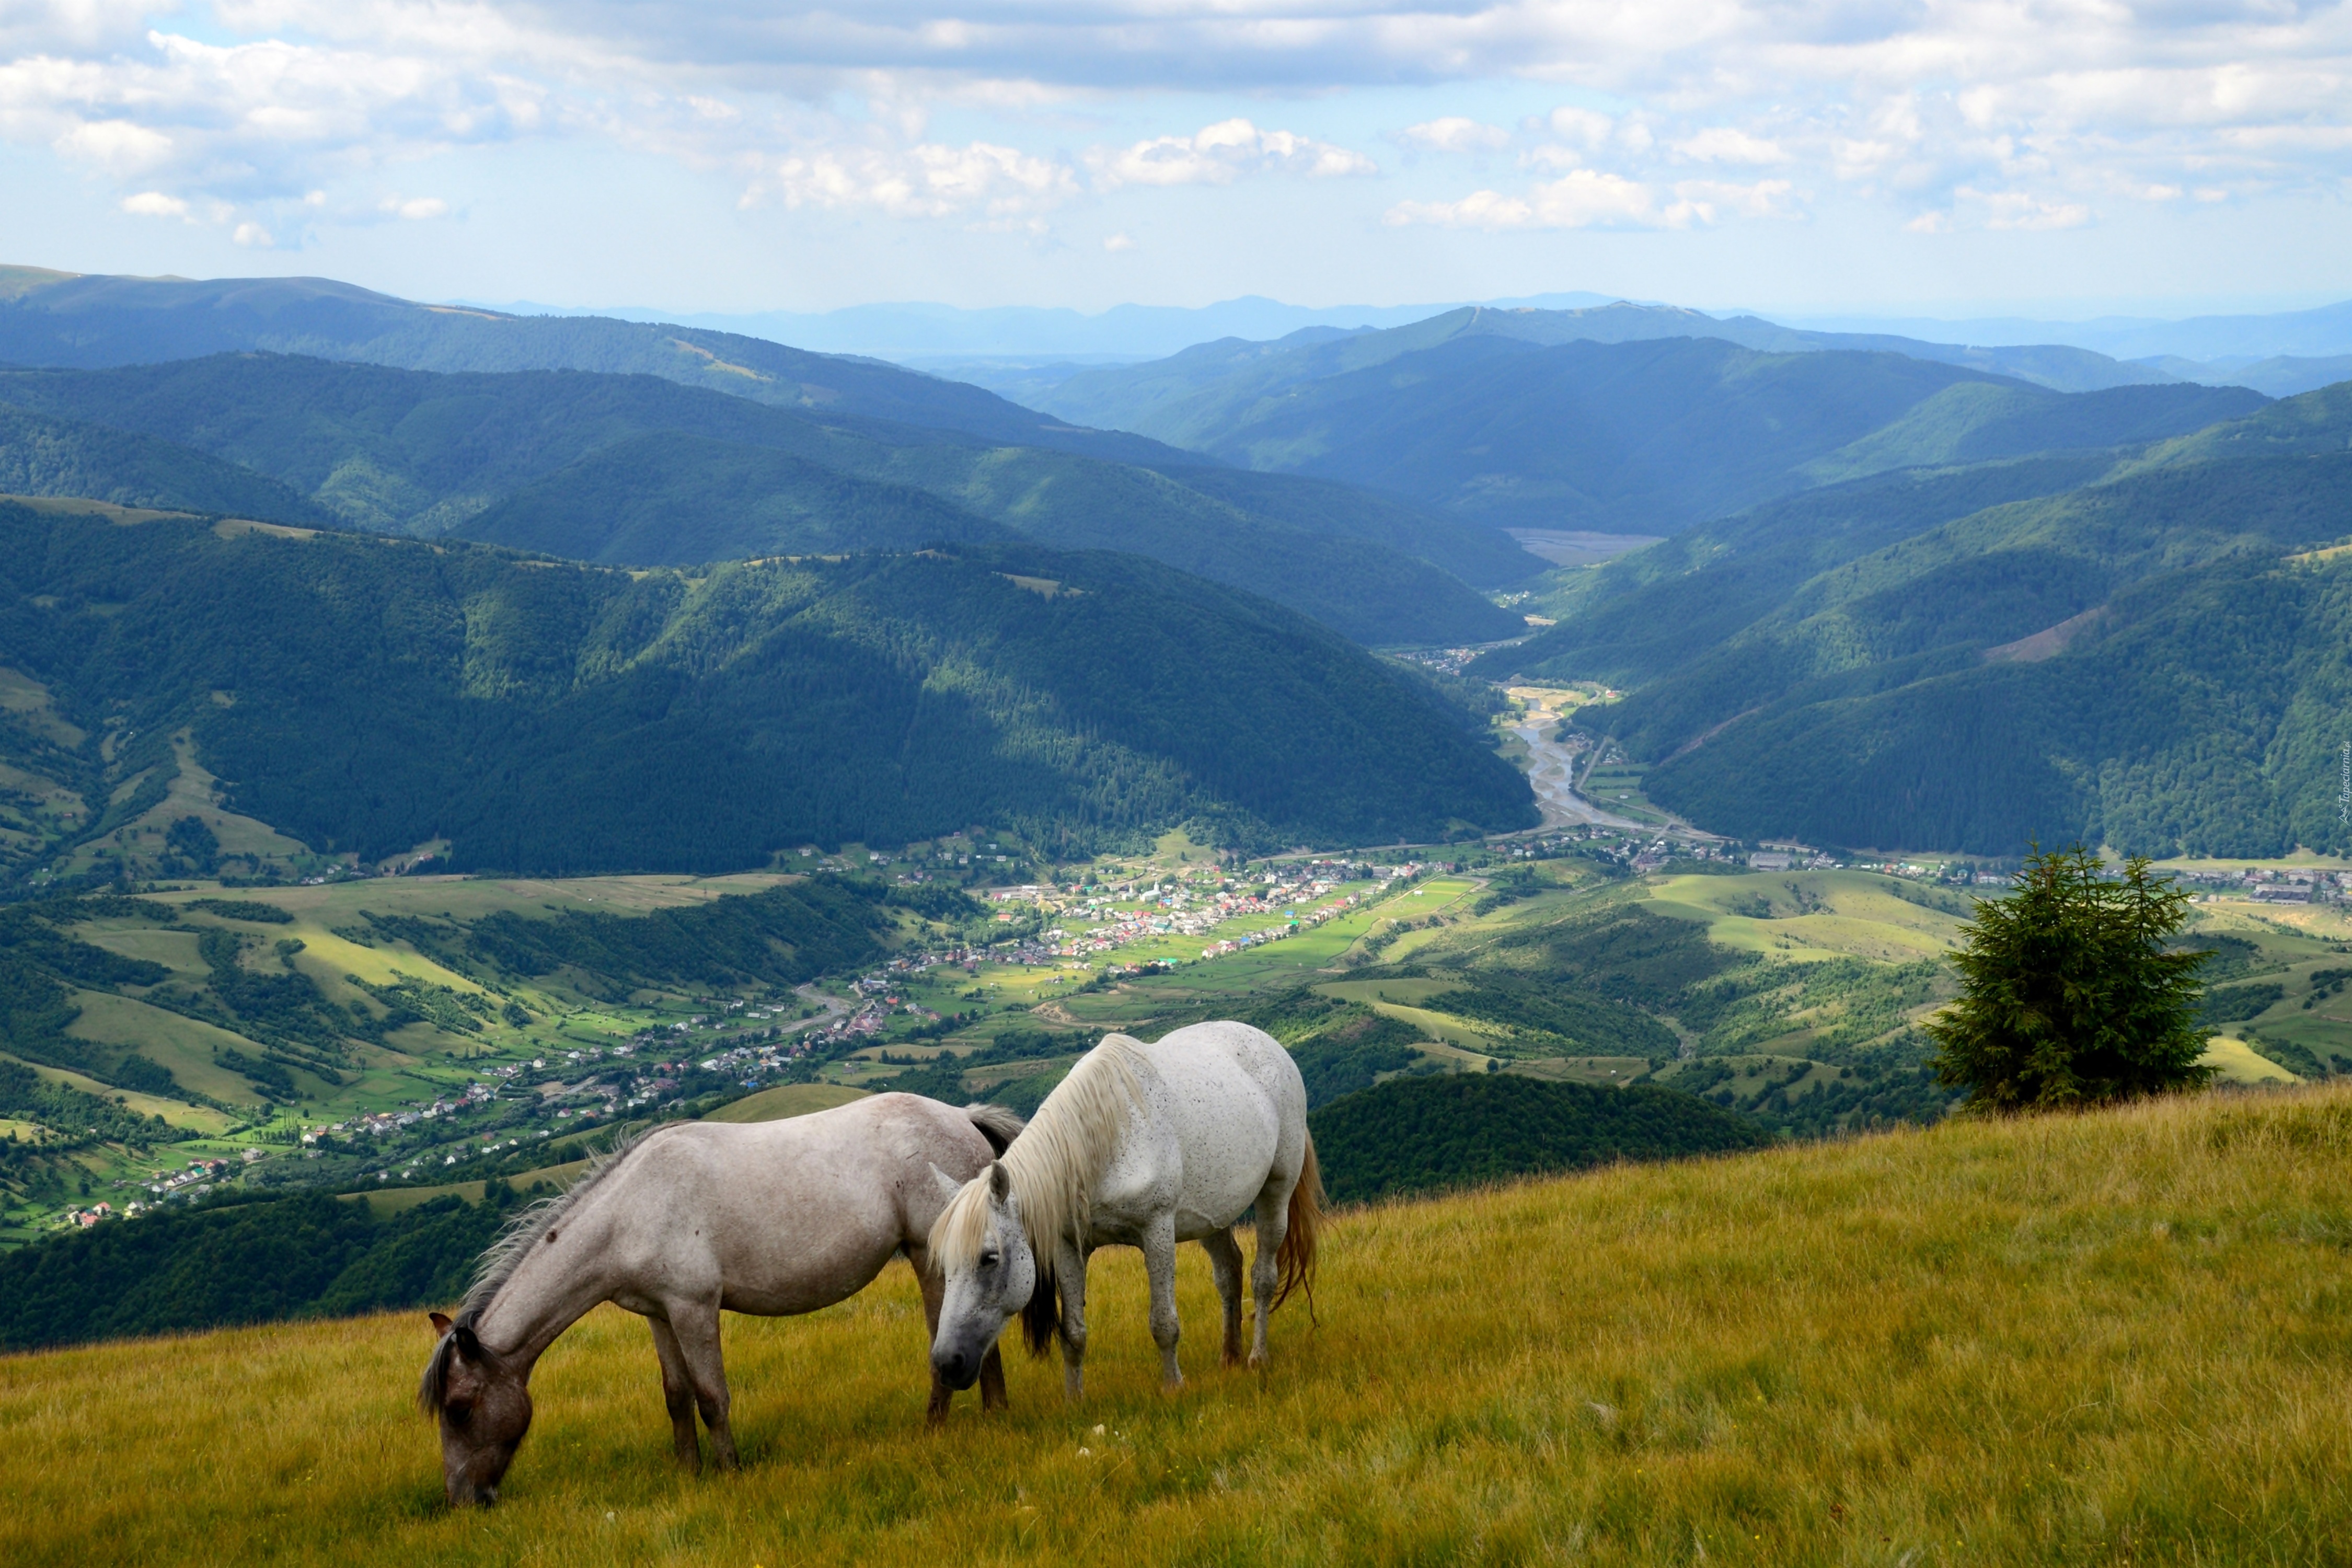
<point>505,1255</point>
<point>1052,1166</point>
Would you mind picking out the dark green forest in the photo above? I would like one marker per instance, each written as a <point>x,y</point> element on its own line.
<point>367,695</point>
<point>251,1261</point>
<point>42,455</point>
<point>1416,1135</point>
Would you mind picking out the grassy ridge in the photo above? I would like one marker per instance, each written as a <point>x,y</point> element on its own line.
<point>2116,1336</point>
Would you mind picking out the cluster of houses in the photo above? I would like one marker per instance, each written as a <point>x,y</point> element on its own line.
<point>2282,885</point>
<point>1104,922</point>
<point>194,1179</point>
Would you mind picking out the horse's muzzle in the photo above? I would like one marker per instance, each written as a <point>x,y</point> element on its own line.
<point>955,1368</point>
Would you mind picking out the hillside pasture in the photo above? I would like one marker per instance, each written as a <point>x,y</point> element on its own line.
<point>2113,1337</point>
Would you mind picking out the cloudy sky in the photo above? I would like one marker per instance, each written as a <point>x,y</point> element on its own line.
<point>2065,156</point>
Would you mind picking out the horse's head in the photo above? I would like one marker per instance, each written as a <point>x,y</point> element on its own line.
<point>982,1250</point>
<point>484,1407</point>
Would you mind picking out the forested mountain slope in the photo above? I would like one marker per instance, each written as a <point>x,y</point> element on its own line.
<point>368,695</point>
<point>417,452</point>
<point>1646,436</point>
<point>95,322</point>
<point>44,456</point>
<point>2152,659</point>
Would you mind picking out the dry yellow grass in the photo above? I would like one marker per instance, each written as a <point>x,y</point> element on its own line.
<point>2118,1338</point>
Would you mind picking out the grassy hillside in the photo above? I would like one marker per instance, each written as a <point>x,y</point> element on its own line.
<point>2101,1337</point>
<point>632,468</point>
<point>371,697</point>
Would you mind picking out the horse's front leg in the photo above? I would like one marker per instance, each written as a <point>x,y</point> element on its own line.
<point>1070,1276</point>
<point>935,1291</point>
<point>992,1381</point>
<point>1225,1258</point>
<point>696,1326</point>
<point>677,1394</point>
<point>1159,1267</point>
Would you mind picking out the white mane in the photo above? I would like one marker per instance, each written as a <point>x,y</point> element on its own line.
<point>1051,1168</point>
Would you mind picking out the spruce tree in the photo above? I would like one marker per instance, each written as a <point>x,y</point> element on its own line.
<point>2069,994</point>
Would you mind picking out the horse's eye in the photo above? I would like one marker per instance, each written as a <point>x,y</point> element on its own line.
<point>988,1260</point>
<point>458,1413</point>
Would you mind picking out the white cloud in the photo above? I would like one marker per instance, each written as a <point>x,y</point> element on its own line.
<point>1729,144</point>
<point>255,101</point>
<point>116,145</point>
<point>253,235</point>
<point>2017,209</point>
<point>1453,133</point>
<point>154,203</point>
<point>1221,154</point>
<point>1591,198</point>
<point>415,208</point>
<point>1584,198</point>
<point>1973,209</point>
<point>1118,242</point>
<point>927,180</point>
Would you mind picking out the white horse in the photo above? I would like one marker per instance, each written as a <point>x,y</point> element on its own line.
<point>1141,1146</point>
<point>772,1219</point>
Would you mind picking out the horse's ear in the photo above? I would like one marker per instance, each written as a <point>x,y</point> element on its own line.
<point>949,1186</point>
<point>440,1323</point>
<point>469,1347</point>
<point>1000,1180</point>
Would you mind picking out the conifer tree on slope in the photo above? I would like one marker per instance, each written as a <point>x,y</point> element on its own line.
<point>2069,994</point>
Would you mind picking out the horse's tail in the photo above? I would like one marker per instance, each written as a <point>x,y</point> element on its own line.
<point>997,1125</point>
<point>1296,1258</point>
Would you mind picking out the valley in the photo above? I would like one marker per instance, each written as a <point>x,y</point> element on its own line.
<point>427,763</point>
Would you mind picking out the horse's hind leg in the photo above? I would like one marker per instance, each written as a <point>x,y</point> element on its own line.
<point>696,1325</point>
<point>1159,1267</point>
<point>677,1394</point>
<point>1225,1258</point>
<point>1273,1225</point>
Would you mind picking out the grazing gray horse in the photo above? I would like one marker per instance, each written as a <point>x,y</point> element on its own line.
<point>1144,1146</point>
<point>772,1219</point>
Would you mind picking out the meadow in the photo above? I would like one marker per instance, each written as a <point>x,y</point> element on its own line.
<point>2119,1337</point>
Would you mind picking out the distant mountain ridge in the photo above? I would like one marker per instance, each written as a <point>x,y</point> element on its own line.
<point>423,453</point>
<point>93,323</point>
<point>1541,420</point>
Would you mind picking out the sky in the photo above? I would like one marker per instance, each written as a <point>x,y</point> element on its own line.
<point>2067,158</point>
